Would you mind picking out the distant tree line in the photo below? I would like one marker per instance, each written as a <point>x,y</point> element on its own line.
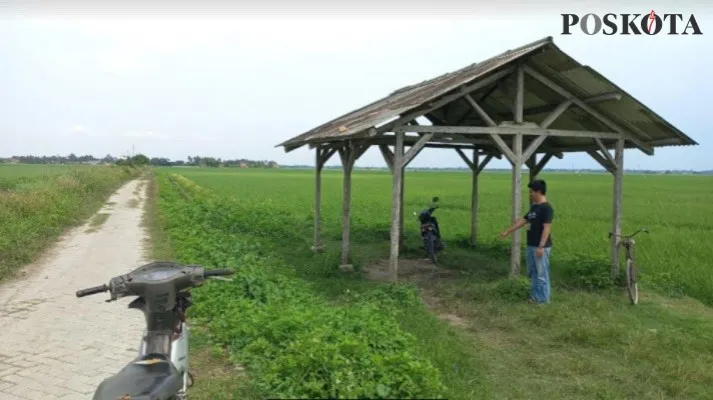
<point>198,161</point>
<point>140,160</point>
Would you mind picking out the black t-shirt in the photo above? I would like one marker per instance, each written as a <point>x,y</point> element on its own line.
<point>538,215</point>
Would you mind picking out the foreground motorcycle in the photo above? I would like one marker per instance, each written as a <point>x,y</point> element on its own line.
<point>160,372</point>
<point>430,233</point>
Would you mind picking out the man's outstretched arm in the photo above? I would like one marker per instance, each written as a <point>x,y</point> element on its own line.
<point>517,225</point>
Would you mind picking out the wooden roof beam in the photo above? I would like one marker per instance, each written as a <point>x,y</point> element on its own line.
<point>464,90</point>
<point>646,148</point>
<point>525,129</point>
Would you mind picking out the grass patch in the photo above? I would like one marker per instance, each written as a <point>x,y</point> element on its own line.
<point>294,343</point>
<point>215,376</point>
<point>97,221</point>
<point>477,332</point>
<point>36,208</point>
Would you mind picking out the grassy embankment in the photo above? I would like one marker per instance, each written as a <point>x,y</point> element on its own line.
<point>302,328</point>
<point>39,202</point>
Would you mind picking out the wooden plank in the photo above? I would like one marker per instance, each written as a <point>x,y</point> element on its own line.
<point>647,149</point>
<point>395,208</point>
<point>504,148</point>
<point>465,158</point>
<point>551,107</point>
<point>483,115</point>
<point>532,148</point>
<point>527,112</point>
<point>388,156</point>
<point>505,130</point>
<point>617,206</point>
<point>555,114</point>
<point>541,164</point>
<point>519,93</point>
<point>359,151</point>
<point>516,205</point>
<point>605,151</point>
<point>603,162</point>
<point>327,154</point>
<point>531,166</point>
<point>485,162</point>
<point>415,149</point>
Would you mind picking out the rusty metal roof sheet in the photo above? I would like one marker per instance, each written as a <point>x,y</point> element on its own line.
<point>543,55</point>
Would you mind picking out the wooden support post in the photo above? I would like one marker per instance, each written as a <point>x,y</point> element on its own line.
<point>346,155</point>
<point>389,158</point>
<point>318,202</point>
<point>616,205</point>
<point>517,170</point>
<point>516,204</point>
<point>518,106</point>
<point>349,154</point>
<point>474,199</point>
<point>476,167</point>
<point>322,156</point>
<point>396,206</point>
<point>401,208</point>
<point>408,156</point>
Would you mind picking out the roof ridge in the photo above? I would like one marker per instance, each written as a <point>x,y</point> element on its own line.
<point>463,69</point>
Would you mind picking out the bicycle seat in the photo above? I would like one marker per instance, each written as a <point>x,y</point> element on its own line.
<point>150,377</point>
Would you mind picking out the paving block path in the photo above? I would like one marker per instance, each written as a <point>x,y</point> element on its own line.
<point>54,345</point>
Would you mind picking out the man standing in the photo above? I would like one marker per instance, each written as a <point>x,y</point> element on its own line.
<point>539,242</point>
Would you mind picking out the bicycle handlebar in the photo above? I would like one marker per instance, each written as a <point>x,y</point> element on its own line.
<point>628,236</point>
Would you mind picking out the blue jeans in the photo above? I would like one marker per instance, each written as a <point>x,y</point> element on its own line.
<point>538,270</point>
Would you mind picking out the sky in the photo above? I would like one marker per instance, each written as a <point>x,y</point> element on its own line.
<point>235,83</point>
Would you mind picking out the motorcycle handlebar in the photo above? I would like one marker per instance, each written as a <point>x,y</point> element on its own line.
<point>106,288</point>
<point>94,290</point>
<point>218,272</point>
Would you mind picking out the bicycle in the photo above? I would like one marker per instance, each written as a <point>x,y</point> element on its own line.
<point>627,241</point>
<point>162,290</point>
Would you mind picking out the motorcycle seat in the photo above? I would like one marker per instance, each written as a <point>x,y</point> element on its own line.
<point>149,377</point>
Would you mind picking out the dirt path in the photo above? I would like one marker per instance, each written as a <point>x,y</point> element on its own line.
<point>54,345</point>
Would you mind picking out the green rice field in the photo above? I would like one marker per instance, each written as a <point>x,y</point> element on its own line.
<point>301,328</point>
<point>677,210</point>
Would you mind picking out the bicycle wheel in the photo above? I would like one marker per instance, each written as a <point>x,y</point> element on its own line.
<point>631,282</point>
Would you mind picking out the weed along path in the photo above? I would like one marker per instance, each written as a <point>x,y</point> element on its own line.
<point>54,345</point>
